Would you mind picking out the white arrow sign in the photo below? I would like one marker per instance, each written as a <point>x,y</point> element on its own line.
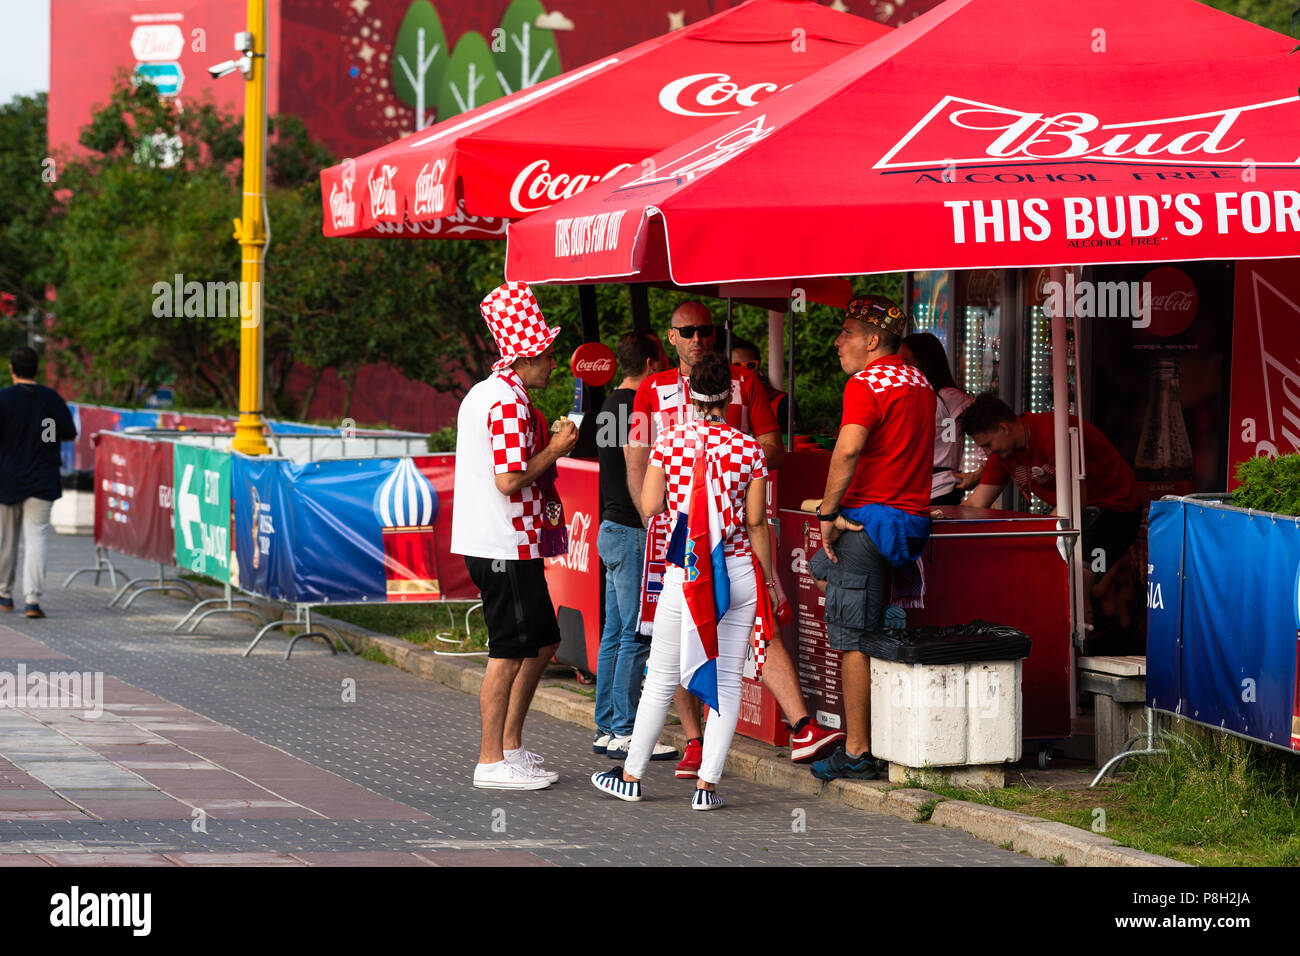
<point>188,508</point>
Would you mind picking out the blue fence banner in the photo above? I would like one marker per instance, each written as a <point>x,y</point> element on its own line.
<point>342,530</point>
<point>1227,638</point>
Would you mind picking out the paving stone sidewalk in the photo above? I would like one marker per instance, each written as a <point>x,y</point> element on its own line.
<point>202,756</point>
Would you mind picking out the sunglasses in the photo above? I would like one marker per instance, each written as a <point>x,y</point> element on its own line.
<point>752,364</point>
<point>689,331</point>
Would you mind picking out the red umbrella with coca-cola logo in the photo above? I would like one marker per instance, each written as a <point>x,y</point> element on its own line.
<point>466,176</point>
<point>982,134</point>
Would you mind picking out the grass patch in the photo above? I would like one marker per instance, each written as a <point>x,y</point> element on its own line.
<point>416,622</point>
<point>373,652</point>
<point>1222,801</point>
<point>926,810</point>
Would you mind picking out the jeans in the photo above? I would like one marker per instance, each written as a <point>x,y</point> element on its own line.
<point>622,656</point>
<point>33,516</point>
<point>665,669</point>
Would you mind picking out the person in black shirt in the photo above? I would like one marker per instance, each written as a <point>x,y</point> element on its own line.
<point>33,421</point>
<point>621,544</point>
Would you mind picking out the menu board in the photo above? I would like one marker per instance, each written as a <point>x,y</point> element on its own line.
<point>817,664</point>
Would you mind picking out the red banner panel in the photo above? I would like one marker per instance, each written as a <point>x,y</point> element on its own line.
<point>133,497</point>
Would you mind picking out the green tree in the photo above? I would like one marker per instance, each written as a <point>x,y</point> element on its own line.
<point>1274,14</point>
<point>31,178</point>
<point>470,79</point>
<point>524,55</point>
<point>419,58</point>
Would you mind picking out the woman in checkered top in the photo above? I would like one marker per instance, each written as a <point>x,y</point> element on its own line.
<point>741,501</point>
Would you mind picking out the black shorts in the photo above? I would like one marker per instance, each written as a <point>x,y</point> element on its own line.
<point>1110,532</point>
<point>516,606</point>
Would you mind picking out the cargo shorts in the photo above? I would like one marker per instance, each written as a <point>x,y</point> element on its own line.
<point>856,588</point>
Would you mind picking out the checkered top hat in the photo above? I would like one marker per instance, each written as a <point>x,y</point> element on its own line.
<point>878,311</point>
<point>516,321</point>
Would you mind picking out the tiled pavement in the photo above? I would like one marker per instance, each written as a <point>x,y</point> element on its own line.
<point>204,757</point>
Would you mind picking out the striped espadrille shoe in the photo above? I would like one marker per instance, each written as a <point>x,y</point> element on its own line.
<point>612,782</point>
<point>705,800</point>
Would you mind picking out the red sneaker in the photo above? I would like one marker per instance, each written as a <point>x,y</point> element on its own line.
<point>690,765</point>
<point>814,739</point>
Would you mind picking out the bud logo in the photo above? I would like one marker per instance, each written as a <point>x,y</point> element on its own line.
<point>343,211</point>
<point>157,43</point>
<point>383,197</point>
<point>1001,133</point>
<point>536,182</point>
<point>711,91</point>
<point>707,157</point>
<point>429,191</point>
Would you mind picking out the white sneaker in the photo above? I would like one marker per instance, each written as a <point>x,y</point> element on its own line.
<point>505,775</point>
<point>531,763</point>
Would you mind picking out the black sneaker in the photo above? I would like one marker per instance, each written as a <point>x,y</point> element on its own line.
<point>6,604</point>
<point>839,766</point>
<point>33,610</point>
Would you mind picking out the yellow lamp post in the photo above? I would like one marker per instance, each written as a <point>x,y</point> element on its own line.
<point>250,228</point>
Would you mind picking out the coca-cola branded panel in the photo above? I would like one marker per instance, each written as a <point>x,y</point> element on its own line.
<point>1265,418</point>
<point>818,665</point>
<point>1021,582</point>
<point>535,147</point>
<point>574,579</point>
<point>134,508</point>
<point>964,581</point>
<point>1159,393</point>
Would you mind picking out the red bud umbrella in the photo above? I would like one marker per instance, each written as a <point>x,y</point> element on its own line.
<point>983,134</point>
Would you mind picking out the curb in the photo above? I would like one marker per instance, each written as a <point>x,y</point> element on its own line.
<point>751,760</point>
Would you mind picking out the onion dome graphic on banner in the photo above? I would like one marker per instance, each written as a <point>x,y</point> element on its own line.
<point>406,506</point>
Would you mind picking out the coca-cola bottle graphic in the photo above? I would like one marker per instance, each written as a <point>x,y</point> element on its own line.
<point>1164,458</point>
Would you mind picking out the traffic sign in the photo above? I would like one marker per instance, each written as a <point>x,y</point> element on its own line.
<point>168,77</point>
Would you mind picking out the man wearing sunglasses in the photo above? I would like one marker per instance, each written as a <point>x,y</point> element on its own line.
<point>662,402</point>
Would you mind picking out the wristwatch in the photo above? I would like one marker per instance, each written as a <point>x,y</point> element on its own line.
<point>827,517</point>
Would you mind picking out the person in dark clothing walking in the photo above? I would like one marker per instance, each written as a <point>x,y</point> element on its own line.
<point>33,421</point>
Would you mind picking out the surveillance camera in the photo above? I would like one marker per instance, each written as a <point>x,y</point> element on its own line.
<point>223,69</point>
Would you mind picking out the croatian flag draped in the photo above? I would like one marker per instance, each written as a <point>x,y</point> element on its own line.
<point>706,589</point>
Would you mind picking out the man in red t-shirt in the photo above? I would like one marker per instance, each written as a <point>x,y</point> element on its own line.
<point>879,480</point>
<point>662,402</point>
<point>1023,449</point>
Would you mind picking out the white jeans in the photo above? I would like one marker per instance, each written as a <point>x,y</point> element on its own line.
<point>33,516</point>
<point>664,670</point>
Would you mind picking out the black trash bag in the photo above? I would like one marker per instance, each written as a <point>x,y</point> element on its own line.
<point>976,641</point>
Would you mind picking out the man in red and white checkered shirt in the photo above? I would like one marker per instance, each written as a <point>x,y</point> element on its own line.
<point>506,516</point>
<point>662,402</point>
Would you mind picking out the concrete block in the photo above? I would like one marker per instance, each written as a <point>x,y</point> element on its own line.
<point>906,804</point>
<point>74,513</point>
<point>1048,840</point>
<point>946,715</point>
<point>1127,856</point>
<point>989,776</point>
<point>988,823</point>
